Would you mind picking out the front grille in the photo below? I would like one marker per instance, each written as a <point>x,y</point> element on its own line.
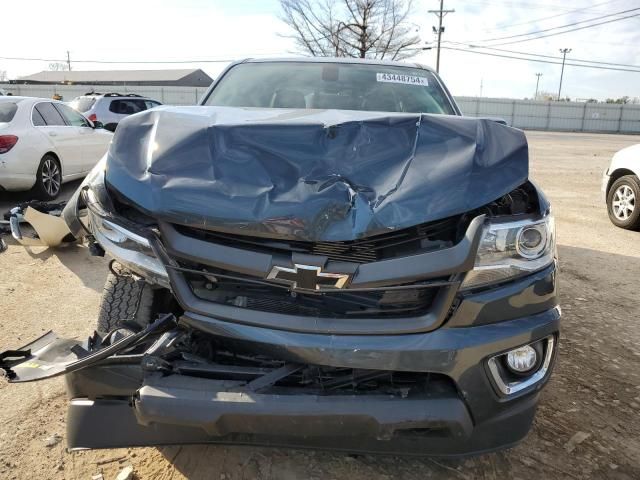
<point>409,241</point>
<point>213,357</point>
<point>247,293</point>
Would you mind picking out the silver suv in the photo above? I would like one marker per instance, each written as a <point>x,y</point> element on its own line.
<point>110,108</point>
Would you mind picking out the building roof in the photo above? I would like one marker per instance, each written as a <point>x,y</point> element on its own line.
<point>120,76</point>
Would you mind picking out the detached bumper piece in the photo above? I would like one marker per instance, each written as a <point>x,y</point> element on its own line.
<point>50,356</point>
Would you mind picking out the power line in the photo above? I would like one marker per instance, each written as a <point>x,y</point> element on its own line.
<point>522,4</point>
<point>541,55</point>
<point>541,61</point>
<point>561,26</point>
<point>536,20</point>
<point>566,31</point>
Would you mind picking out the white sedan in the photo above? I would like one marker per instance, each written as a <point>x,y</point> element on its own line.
<point>621,188</point>
<point>44,143</point>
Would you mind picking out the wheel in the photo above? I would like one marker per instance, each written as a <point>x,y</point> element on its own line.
<point>126,302</point>
<point>48,178</point>
<point>621,202</point>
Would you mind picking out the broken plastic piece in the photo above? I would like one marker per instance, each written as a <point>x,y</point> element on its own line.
<point>50,356</point>
<point>51,230</point>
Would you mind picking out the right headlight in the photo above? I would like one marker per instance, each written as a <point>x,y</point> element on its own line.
<point>129,248</point>
<point>511,249</point>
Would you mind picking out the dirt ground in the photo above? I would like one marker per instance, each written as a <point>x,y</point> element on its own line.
<point>588,423</point>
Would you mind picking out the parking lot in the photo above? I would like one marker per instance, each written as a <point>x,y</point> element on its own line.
<point>588,423</point>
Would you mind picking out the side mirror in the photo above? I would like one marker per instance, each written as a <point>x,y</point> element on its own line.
<point>97,124</point>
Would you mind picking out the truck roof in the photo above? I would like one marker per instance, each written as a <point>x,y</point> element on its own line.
<point>368,61</point>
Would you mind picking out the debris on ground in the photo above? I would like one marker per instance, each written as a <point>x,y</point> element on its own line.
<point>576,440</point>
<point>53,440</point>
<point>126,473</point>
<point>52,208</point>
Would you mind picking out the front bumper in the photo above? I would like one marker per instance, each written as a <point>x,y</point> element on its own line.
<point>120,399</point>
<point>174,415</point>
<point>604,185</point>
<point>118,404</point>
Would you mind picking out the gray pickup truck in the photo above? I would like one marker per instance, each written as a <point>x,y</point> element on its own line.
<point>324,253</point>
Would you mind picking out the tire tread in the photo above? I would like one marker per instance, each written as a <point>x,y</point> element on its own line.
<point>119,302</point>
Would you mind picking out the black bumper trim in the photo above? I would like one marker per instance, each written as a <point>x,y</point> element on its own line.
<point>113,424</point>
<point>220,410</point>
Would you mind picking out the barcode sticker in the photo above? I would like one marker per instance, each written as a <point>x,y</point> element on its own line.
<point>406,79</point>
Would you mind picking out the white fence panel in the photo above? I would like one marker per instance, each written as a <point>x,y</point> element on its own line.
<point>563,116</point>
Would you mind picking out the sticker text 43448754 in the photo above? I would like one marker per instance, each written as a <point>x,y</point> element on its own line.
<point>405,79</point>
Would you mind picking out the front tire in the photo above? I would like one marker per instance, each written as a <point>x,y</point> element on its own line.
<point>622,202</point>
<point>48,178</point>
<point>126,302</point>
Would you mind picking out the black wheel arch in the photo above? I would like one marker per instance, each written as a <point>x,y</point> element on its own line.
<point>57,157</point>
<point>615,175</point>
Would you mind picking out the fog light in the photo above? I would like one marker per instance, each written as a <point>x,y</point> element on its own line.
<point>522,359</point>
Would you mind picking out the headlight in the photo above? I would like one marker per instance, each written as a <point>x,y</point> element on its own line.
<point>511,249</point>
<point>129,248</point>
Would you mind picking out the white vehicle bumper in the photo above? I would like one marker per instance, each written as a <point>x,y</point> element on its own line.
<point>18,168</point>
<point>15,182</point>
<point>604,184</point>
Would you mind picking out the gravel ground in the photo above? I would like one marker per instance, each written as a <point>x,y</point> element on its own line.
<point>588,423</point>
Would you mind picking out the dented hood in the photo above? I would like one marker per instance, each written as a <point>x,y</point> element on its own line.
<point>322,175</point>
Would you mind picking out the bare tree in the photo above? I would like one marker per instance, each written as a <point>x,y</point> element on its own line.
<point>352,28</point>
<point>3,76</point>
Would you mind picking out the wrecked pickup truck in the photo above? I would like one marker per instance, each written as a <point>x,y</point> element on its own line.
<point>303,260</point>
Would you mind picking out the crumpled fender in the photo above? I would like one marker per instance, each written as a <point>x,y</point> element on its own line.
<point>317,175</point>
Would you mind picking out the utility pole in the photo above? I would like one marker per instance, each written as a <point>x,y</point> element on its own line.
<point>68,61</point>
<point>440,14</point>
<point>535,97</point>
<point>564,52</point>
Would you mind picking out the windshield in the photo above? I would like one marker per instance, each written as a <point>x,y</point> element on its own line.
<point>341,86</point>
<point>82,104</point>
<point>7,111</point>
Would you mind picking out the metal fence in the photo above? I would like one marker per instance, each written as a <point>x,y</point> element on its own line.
<point>526,114</point>
<point>167,95</point>
<point>557,116</point>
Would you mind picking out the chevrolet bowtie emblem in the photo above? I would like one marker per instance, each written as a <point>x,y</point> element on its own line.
<point>307,277</point>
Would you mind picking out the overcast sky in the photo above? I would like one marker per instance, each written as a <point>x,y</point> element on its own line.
<point>232,29</point>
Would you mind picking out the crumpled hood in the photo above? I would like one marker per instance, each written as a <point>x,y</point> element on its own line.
<point>320,175</point>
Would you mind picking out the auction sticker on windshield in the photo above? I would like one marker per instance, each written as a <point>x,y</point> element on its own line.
<point>406,79</point>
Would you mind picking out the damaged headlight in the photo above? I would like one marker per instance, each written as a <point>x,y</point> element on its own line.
<point>131,249</point>
<point>511,249</point>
